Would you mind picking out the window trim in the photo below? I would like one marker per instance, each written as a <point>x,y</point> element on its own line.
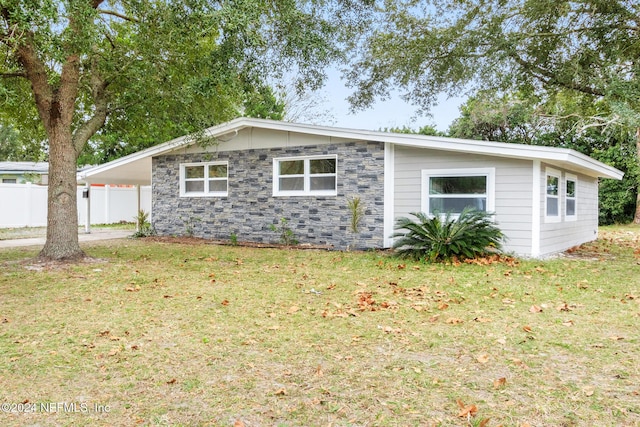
<point>205,179</point>
<point>306,176</point>
<point>489,173</point>
<point>570,177</point>
<point>556,174</point>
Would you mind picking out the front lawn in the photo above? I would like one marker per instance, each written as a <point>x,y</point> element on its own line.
<point>197,334</point>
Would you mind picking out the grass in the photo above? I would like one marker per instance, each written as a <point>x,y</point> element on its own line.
<point>205,335</point>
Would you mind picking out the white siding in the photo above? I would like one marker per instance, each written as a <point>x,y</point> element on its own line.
<point>513,188</point>
<point>559,236</point>
<point>256,138</point>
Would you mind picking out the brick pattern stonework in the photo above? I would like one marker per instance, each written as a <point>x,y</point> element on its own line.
<point>250,208</point>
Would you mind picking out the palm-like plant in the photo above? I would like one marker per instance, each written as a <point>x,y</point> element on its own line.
<point>473,233</point>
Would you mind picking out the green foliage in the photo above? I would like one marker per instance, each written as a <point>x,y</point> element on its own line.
<point>504,118</point>
<point>429,47</point>
<point>441,238</point>
<point>356,209</point>
<point>164,68</point>
<point>143,226</point>
<point>424,130</point>
<point>286,234</point>
<point>234,239</point>
<point>14,148</point>
<point>190,224</point>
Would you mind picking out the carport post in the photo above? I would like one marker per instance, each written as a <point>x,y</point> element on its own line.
<point>86,194</point>
<point>138,207</point>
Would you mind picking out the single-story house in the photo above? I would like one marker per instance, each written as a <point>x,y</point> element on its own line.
<point>24,172</point>
<point>251,173</point>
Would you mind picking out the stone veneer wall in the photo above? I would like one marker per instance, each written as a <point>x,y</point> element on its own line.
<point>250,207</point>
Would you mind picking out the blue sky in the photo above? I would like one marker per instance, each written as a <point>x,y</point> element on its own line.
<point>391,113</point>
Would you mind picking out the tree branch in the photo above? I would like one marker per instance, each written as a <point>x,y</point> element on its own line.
<point>36,72</point>
<point>549,77</point>
<point>12,75</point>
<point>117,15</point>
<point>91,126</point>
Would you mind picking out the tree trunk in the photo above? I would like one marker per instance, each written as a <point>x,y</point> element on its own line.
<point>62,219</point>
<point>636,218</point>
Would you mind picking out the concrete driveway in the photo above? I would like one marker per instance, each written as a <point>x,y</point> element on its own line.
<point>95,235</point>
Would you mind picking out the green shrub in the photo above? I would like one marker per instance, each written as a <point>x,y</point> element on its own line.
<point>143,227</point>
<point>440,238</point>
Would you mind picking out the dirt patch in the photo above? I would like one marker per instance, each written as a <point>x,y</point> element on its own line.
<point>37,264</point>
<point>187,240</point>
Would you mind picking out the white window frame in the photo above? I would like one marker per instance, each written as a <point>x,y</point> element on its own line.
<point>206,179</point>
<point>490,194</point>
<point>306,175</point>
<point>569,177</point>
<point>556,174</point>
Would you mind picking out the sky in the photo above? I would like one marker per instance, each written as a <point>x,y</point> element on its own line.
<point>391,113</point>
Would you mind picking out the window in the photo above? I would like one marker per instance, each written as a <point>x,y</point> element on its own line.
<point>552,199</point>
<point>9,181</point>
<point>571,208</point>
<point>452,191</point>
<point>204,179</point>
<point>300,176</point>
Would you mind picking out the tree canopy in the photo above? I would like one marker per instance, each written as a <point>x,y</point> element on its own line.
<point>139,72</point>
<point>535,46</point>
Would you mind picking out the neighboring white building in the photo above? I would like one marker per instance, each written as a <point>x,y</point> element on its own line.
<point>23,172</point>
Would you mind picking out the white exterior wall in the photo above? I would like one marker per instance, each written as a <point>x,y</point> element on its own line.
<point>256,139</point>
<point>513,188</point>
<point>559,236</point>
<point>25,205</point>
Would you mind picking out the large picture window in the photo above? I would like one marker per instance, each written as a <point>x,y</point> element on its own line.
<point>300,176</point>
<point>451,191</point>
<point>204,179</point>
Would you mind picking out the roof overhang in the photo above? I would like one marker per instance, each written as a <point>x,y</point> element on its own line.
<point>136,168</point>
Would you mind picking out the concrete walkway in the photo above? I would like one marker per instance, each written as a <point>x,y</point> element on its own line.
<point>95,235</point>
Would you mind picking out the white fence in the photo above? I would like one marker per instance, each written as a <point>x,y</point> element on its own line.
<point>25,205</point>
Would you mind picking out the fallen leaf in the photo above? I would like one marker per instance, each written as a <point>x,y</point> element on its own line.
<point>616,338</point>
<point>466,411</point>
<point>568,323</point>
<point>238,423</point>
<point>500,382</point>
<point>481,320</point>
<point>443,306</point>
<point>280,392</point>
<point>526,328</point>
<point>293,309</point>
<point>454,321</point>
<point>319,372</point>
<point>484,422</point>
<point>171,381</point>
<point>535,309</point>
<point>482,358</point>
<point>225,302</point>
